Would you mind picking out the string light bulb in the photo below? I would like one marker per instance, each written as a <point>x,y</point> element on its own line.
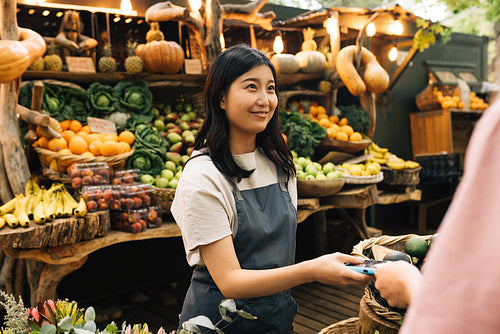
<point>371,30</point>
<point>222,41</point>
<point>278,45</point>
<point>397,28</point>
<point>393,53</point>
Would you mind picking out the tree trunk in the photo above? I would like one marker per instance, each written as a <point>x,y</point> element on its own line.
<point>14,171</point>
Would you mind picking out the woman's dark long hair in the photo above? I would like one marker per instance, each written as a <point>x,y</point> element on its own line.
<point>214,133</point>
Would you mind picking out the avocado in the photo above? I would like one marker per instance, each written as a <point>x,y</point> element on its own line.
<point>416,247</point>
<point>396,256</point>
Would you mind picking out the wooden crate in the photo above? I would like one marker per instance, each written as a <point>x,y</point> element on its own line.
<point>431,132</point>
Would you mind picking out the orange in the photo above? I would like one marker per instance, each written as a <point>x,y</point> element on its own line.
<point>342,136</point>
<point>65,151</point>
<point>38,131</point>
<point>127,137</point>
<point>334,118</point>
<point>42,142</point>
<point>343,121</point>
<point>82,134</point>
<point>78,145</point>
<point>325,122</point>
<point>321,116</point>
<point>356,136</point>
<point>347,129</point>
<point>88,154</point>
<point>92,137</point>
<point>67,134</point>
<point>64,124</point>
<point>109,148</point>
<point>85,128</point>
<point>110,137</point>
<point>321,110</point>
<point>95,147</point>
<point>123,147</point>
<point>331,133</point>
<point>75,125</point>
<point>335,127</point>
<point>313,110</point>
<point>57,144</point>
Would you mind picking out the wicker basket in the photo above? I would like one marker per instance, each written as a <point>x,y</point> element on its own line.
<point>64,161</point>
<point>164,198</point>
<point>319,188</point>
<point>425,100</point>
<point>402,177</point>
<point>345,146</point>
<point>363,250</point>
<point>347,326</point>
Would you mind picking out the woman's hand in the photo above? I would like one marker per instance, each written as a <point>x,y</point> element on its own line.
<point>331,269</point>
<point>397,282</point>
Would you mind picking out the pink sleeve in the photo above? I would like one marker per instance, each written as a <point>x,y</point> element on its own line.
<point>460,291</point>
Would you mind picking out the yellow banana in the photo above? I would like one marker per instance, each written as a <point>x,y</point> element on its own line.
<point>69,198</point>
<point>20,212</point>
<point>11,220</point>
<point>67,204</point>
<point>60,205</point>
<point>81,209</point>
<point>8,206</point>
<point>379,161</point>
<point>377,148</point>
<point>50,211</point>
<point>38,214</point>
<point>2,222</point>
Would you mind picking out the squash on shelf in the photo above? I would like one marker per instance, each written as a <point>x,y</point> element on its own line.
<point>310,60</point>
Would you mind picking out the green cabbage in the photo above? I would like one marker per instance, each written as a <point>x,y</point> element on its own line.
<point>102,100</point>
<point>145,161</point>
<point>135,98</point>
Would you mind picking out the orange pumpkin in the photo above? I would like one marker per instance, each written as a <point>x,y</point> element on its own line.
<point>161,56</point>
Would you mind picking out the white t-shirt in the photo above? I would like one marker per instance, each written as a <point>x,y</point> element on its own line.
<point>204,206</point>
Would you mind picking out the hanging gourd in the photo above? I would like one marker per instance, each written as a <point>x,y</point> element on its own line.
<point>160,56</point>
<point>310,60</point>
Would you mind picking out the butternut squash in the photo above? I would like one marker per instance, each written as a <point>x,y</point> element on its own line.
<point>17,56</point>
<point>375,78</point>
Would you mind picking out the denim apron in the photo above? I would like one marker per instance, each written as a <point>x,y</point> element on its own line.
<point>265,239</point>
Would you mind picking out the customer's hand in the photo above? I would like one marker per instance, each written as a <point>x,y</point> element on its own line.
<point>397,281</point>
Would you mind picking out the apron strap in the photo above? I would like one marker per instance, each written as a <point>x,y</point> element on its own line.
<point>282,179</point>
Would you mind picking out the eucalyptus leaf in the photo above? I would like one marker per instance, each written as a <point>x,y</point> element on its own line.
<point>246,315</point>
<point>83,331</point>
<point>228,304</point>
<point>90,326</point>
<point>48,329</point>
<point>190,328</point>
<point>66,323</point>
<point>89,314</point>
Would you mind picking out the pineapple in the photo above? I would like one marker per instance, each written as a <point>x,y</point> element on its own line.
<point>155,33</point>
<point>309,44</point>
<point>37,65</point>
<point>52,61</point>
<point>133,63</point>
<point>106,62</point>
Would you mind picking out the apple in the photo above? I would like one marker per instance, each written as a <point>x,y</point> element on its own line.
<point>173,183</point>
<point>310,177</point>
<point>320,176</point>
<point>163,182</point>
<point>171,117</point>
<point>184,159</point>
<point>304,162</point>
<point>184,125</point>
<point>298,167</point>
<point>177,147</point>
<point>328,167</point>
<point>167,174</point>
<point>146,178</point>
<point>174,156</point>
<point>170,165</point>
<point>301,175</point>
<point>174,137</point>
<point>159,124</point>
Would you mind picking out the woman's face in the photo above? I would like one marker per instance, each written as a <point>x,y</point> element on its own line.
<point>250,103</point>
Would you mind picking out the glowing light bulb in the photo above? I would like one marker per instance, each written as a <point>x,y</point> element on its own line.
<point>125,5</point>
<point>222,41</point>
<point>397,28</point>
<point>278,46</point>
<point>195,4</point>
<point>46,12</point>
<point>371,30</point>
<point>393,53</point>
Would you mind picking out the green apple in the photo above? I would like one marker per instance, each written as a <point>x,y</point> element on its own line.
<point>298,167</point>
<point>328,167</point>
<point>301,175</point>
<point>146,178</point>
<point>310,177</point>
<point>331,175</point>
<point>311,170</point>
<point>170,165</point>
<point>304,162</point>
<point>294,154</point>
<point>317,165</point>
<point>162,182</point>
<point>320,176</point>
<point>173,183</point>
<point>167,174</point>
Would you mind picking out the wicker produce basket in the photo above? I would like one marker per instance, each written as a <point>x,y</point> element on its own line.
<point>319,188</point>
<point>345,146</point>
<point>347,326</point>
<point>163,197</point>
<point>63,161</point>
<point>371,298</point>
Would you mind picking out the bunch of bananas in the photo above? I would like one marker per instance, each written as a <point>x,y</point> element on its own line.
<point>41,205</point>
<point>382,156</point>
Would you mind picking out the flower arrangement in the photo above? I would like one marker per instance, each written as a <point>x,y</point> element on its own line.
<point>65,317</point>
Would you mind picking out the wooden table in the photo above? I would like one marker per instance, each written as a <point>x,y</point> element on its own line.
<point>351,202</point>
